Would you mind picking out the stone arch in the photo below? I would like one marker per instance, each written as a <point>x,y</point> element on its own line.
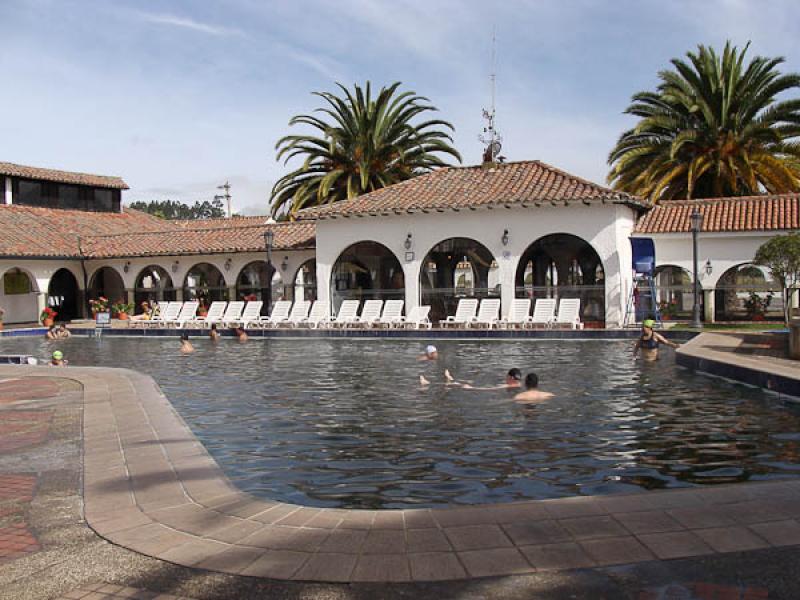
<point>153,284</point>
<point>64,296</point>
<point>366,270</point>
<point>107,282</point>
<point>747,292</point>
<point>305,281</point>
<point>205,283</point>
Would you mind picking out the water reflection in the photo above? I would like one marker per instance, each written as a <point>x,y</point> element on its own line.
<point>344,422</point>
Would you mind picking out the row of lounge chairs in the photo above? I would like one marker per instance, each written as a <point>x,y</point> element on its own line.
<point>375,313</point>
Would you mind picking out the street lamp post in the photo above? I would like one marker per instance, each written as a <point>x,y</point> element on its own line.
<point>269,237</point>
<point>697,221</point>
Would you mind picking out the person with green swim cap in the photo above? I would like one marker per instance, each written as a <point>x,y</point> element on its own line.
<point>649,340</point>
<point>58,359</point>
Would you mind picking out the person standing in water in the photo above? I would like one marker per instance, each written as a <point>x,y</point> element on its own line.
<point>649,341</point>
<point>213,334</point>
<point>186,345</point>
<point>532,395</point>
<point>431,353</point>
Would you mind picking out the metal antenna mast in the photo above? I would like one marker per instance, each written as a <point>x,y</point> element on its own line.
<point>227,195</point>
<point>490,136</point>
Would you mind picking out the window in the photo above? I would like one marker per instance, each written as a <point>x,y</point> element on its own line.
<point>16,282</point>
<point>30,193</point>
<point>103,200</point>
<point>68,197</point>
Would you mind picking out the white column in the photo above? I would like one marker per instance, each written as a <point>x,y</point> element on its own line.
<point>9,195</point>
<point>323,282</point>
<point>411,275</point>
<point>507,273</point>
<point>708,305</point>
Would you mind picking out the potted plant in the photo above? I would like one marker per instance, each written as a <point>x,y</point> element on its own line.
<point>48,317</point>
<point>2,312</point>
<point>98,305</point>
<point>668,310</point>
<point>121,310</point>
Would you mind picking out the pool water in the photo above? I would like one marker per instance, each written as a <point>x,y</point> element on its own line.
<point>345,423</point>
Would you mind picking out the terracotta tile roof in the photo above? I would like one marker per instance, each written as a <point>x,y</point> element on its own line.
<point>203,240</point>
<point>220,223</point>
<point>104,181</point>
<point>749,213</point>
<point>34,231</point>
<point>528,183</point>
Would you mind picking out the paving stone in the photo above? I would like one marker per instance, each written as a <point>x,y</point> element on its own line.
<point>616,551</point>
<point>477,536</point>
<point>700,517</point>
<point>277,564</point>
<point>757,511</point>
<point>382,567</point>
<point>419,519</point>
<point>458,517</point>
<point>233,560</point>
<point>435,566</point>
<point>499,561</point>
<point>391,519</point>
<point>673,499</point>
<point>675,544</point>
<point>567,555</point>
<point>345,541</point>
<point>194,552</point>
<point>651,521</point>
<point>427,540</point>
<point>566,508</point>
<point>536,532</point>
<point>518,512</point>
<point>586,528</point>
<point>384,542</point>
<point>327,567</point>
<point>779,533</point>
<point>731,539</point>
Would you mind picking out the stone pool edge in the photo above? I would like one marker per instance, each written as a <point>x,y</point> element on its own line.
<point>150,486</point>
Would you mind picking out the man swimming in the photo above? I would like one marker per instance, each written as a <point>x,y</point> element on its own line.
<point>186,345</point>
<point>431,353</point>
<point>58,359</point>
<point>531,395</point>
<point>649,340</point>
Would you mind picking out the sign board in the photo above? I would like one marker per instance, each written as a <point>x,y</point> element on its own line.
<point>103,319</point>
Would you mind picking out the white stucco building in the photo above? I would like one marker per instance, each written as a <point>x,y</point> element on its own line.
<point>522,229</point>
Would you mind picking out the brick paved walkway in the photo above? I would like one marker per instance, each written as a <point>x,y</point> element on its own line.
<point>108,591</point>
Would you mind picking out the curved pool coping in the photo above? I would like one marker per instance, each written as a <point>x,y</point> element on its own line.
<point>150,486</point>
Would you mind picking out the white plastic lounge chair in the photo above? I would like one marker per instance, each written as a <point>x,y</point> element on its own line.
<point>465,313</point>
<point>392,313</point>
<point>299,313</point>
<point>233,313</point>
<point>348,313</point>
<point>187,314</point>
<point>251,316</point>
<point>569,314</point>
<point>279,315</point>
<point>213,315</point>
<point>543,312</point>
<point>162,309</point>
<point>417,317</point>
<point>519,315</point>
<point>370,314</point>
<point>488,313</point>
<point>319,315</point>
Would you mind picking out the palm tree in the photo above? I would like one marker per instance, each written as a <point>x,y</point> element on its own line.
<point>713,128</point>
<point>366,144</point>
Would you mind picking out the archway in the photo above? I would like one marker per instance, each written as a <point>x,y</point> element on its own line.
<point>153,284</point>
<point>18,296</point>
<point>562,265</point>
<point>674,292</point>
<point>108,283</point>
<point>63,295</point>
<point>453,269</point>
<point>747,292</point>
<point>365,271</point>
<point>305,281</point>
<point>204,282</point>
<point>252,283</point>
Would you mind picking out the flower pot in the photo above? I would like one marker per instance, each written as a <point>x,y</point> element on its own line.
<point>122,316</point>
<point>48,322</point>
<point>1,326</point>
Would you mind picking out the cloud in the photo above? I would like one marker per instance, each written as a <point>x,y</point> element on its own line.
<point>187,23</point>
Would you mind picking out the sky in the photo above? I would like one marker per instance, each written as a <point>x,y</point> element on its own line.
<point>178,97</point>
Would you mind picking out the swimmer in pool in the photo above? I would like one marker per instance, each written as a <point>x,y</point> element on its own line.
<point>532,395</point>
<point>431,353</point>
<point>649,341</point>
<point>186,345</point>
<point>241,335</point>
<point>58,359</point>
<point>213,334</point>
<point>513,382</point>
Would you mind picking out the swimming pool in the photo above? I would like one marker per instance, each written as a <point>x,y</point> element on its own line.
<point>344,422</point>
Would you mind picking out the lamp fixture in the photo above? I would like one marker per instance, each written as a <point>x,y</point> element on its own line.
<point>697,220</point>
<point>709,268</point>
<point>285,263</point>
<point>227,265</point>
<point>127,266</point>
<point>504,239</point>
<point>407,243</point>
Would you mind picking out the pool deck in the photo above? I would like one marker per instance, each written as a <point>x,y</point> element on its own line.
<point>150,486</point>
<point>758,359</point>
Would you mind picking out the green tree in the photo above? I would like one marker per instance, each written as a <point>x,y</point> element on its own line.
<point>712,128</point>
<point>171,209</point>
<point>360,144</point>
<point>781,254</point>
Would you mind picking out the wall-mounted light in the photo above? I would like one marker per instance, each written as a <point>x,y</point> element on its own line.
<point>407,243</point>
<point>175,266</point>
<point>285,263</point>
<point>504,239</point>
<point>432,267</point>
<point>709,268</point>
<point>127,266</point>
<point>228,263</point>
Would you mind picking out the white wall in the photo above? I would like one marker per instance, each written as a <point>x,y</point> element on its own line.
<point>606,227</point>
<point>26,308</point>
